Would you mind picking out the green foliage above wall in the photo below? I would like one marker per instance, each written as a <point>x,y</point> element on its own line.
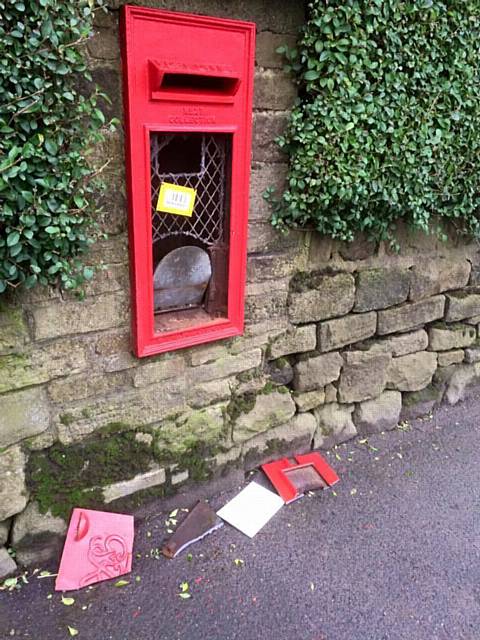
<point>46,130</point>
<point>387,125</point>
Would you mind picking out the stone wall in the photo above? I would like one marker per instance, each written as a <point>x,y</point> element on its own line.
<point>340,339</point>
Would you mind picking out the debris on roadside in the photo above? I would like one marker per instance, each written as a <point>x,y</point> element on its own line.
<point>201,521</point>
<point>251,509</point>
<point>292,480</point>
<point>184,591</point>
<point>98,547</point>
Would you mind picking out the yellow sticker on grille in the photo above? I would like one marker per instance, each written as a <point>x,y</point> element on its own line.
<point>175,199</point>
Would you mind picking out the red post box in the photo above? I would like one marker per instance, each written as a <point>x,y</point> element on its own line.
<point>188,99</point>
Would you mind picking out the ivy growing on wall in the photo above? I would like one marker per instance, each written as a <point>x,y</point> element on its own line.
<point>47,128</point>
<point>387,125</point>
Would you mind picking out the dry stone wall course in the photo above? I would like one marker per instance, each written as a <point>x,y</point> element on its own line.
<point>326,297</point>
<point>269,410</point>
<point>7,564</point>
<point>93,314</point>
<point>459,381</point>
<point>147,480</point>
<point>13,490</point>
<point>412,372</point>
<point>446,358</point>
<point>462,304</point>
<point>309,400</point>
<point>381,288</point>
<point>402,344</point>
<point>358,326</point>
<point>451,336</point>
<point>410,316</point>
<point>317,371</point>
<point>4,531</point>
<point>437,275</point>
<point>334,425</point>
<point>334,334</point>
<point>364,376</point>
<point>472,355</point>
<point>297,340</point>
<point>379,414</point>
<point>13,330</point>
<point>24,414</point>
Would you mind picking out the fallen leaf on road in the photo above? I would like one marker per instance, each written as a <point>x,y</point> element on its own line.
<point>46,574</point>
<point>121,583</point>
<point>72,631</point>
<point>353,492</point>
<point>10,584</point>
<point>67,601</point>
<point>239,562</point>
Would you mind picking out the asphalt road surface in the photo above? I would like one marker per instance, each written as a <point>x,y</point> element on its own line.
<point>393,553</point>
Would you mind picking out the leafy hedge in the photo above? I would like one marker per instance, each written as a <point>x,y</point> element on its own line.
<point>388,121</point>
<point>47,128</point>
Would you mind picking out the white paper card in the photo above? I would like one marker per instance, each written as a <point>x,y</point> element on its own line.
<point>251,509</point>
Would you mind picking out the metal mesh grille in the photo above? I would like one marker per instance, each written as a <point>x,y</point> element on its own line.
<point>207,221</point>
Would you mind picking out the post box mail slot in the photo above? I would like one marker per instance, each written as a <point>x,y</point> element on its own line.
<point>188,101</point>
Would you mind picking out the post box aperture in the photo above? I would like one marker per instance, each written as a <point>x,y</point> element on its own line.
<point>188,100</point>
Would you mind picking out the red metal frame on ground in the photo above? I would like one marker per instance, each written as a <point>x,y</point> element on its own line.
<point>275,473</point>
<point>185,44</point>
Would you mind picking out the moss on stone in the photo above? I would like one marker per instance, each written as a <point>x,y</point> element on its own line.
<point>239,404</point>
<point>306,280</point>
<point>281,363</point>
<point>327,431</point>
<point>67,418</point>
<point>195,460</point>
<point>424,395</point>
<point>273,388</point>
<point>16,372</point>
<point>12,328</point>
<point>274,446</point>
<point>174,438</point>
<point>451,326</point>
<point>251,374</point>
<point>139,498</point>
<point>67,476</point>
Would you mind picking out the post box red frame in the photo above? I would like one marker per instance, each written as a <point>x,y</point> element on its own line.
<point>155,42</point>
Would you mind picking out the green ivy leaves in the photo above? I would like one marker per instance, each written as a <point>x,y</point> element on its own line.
<point>47,213</point>
<point>388,124</point>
